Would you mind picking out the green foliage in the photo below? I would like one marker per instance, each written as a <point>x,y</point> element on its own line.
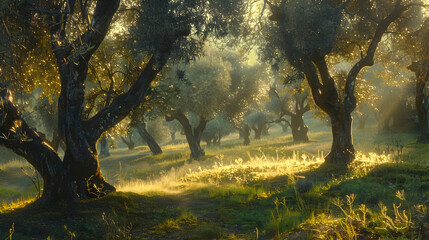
<point>256,118</point>
<point>158,130</point>
<point>247,89</point>
<point>217,128</point>
<point>306,28</point>
<point>201,87</point>
<point>202,19</point>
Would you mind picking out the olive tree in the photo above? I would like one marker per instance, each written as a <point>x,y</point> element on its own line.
<point>164,30</point>
<point>216,129</point>
<point>309,34</point>
<point>288,101</point>
<point>202,88</point>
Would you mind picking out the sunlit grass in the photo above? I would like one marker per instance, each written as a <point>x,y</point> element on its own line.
<point>8,206</point>
<point>241,192</point>
<point>258,168</point>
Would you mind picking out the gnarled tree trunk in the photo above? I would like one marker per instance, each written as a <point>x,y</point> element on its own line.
<point>299,129</point>
<point>259,130</point>
<point>148,139</point>
<point>129,142</point>
<point>245,134</point>
<point>342,150</point>
<point>26,142</point>
<point>421,69</point>
<point>78,175</point>
<point>193,135</point>
<point>297,125</point>
<point>322,85</point>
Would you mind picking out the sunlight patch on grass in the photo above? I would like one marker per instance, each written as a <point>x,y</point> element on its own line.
<point>260,167</point>
<point>15,204</point>
<point>363,164</point>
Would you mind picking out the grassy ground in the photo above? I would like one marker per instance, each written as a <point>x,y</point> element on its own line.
<point>272,189</point>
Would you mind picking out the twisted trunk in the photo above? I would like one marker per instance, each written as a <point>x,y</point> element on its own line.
<point>421,69</point>
<point>259,130</point>
<point>297,125</point>
<point>150,141</point>
<point>342,150</point>
<point>78,175</point>
<point>245,134</point>
<point>193,135</point>
<point>325,93</point>
<point>81,158</point>
<point>299,129</point>
<point>16,135</point>
<point>422,114</point>
<point>130,143</point>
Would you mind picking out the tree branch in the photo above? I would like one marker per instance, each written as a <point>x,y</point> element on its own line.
<point>368,60</point>
<point>316,87</point>
<point>124,103</point>
<point>26,142</point>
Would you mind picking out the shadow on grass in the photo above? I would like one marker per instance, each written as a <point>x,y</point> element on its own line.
<point>272,206</point>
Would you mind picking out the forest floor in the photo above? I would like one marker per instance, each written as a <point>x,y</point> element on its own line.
<point>272,189</point>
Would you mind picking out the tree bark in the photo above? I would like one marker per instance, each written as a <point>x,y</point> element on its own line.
<point>297,125</point>
<point>245,134</point>
<point>421,69</point>
<point>259,130</point>
<point>78,175</point>
<point>150,141</point>
<point>80,157</point>
<point>16,135</point>
<point>325,93</point>
<point>56,139</point>
<point>299,129</point>
<point>130,143</point>
<point>193,135</point>
<point>342,150</point>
